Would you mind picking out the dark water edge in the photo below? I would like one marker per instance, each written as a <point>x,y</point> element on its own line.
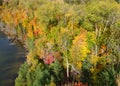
<point>11,57</point>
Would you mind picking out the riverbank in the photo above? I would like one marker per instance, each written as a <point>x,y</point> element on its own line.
<point>11,58</point>
<point>12,35</point>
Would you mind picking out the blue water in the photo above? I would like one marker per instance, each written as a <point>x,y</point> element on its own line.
<point>11,57</point>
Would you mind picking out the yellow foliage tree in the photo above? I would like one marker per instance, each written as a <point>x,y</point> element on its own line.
<point>79,50</point>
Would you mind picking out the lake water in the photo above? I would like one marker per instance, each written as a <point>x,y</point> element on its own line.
<point>11,57</point>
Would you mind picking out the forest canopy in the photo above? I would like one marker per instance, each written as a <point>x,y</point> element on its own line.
<point>68,41</point>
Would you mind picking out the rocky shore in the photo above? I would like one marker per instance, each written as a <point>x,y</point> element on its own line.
<point>12,35</point>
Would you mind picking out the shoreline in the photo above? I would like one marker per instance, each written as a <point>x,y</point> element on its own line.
<point>12,35</point>
<point>13,55</point>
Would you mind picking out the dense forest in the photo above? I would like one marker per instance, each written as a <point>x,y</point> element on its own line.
<point>69,42</point>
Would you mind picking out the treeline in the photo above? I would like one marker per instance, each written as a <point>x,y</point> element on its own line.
<point>70,42</point>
